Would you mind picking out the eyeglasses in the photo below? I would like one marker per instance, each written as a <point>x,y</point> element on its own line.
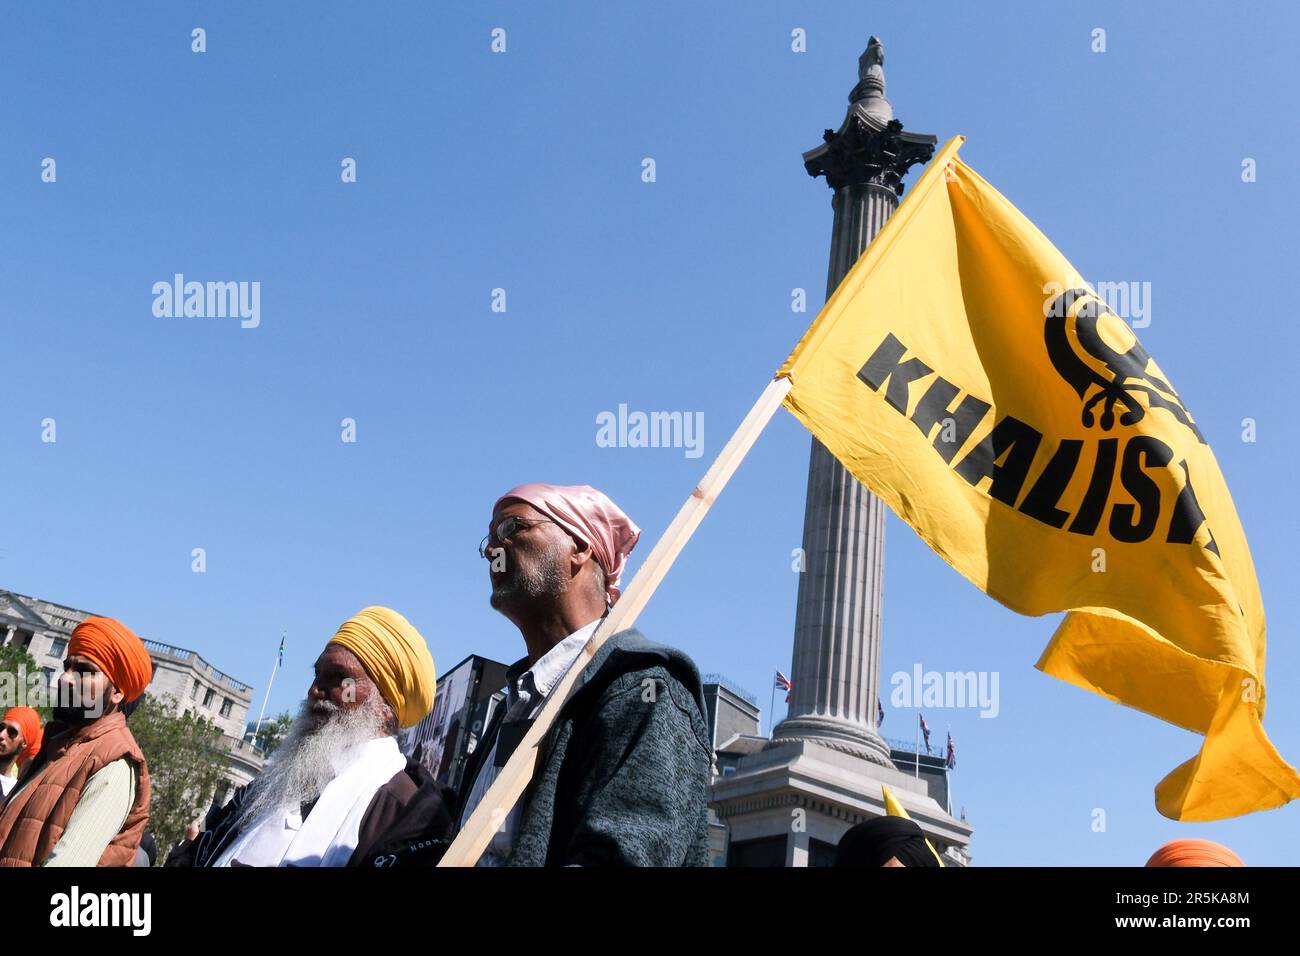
<point>11,732</point>
<point>504,529</point>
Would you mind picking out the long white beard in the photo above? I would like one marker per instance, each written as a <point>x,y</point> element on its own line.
<point>302,765</point>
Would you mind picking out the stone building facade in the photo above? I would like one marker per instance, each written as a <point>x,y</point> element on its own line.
<point>42,628</point>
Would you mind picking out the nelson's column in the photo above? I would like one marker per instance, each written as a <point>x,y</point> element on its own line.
<point>822,770</point>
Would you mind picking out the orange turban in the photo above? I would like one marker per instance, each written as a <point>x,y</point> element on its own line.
<point>113,647</point>
<point>30,722</point>
<point>1194,853</point>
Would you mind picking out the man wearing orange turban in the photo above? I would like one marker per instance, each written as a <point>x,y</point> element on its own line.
<point>338,791</point>
<point>84,799</point>
<point>20,740</point>
<point>1190,852</point>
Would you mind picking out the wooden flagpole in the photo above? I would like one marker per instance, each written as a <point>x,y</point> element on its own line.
<point>515,776</point>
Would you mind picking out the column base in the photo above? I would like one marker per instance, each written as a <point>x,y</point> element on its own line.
<point>854,739</point>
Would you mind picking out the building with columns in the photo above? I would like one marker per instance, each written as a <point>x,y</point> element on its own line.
<point>788,801</point>
<point>42,629</point>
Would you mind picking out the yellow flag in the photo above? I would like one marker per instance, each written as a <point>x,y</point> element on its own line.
<point>967,374</point>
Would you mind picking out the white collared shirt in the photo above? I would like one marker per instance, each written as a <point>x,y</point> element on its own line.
<point>525,698</point>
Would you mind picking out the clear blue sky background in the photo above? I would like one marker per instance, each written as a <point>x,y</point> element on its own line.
<point>522,171</point>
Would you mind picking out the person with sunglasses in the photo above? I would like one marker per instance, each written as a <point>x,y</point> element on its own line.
<point>20,741</point>
<point>624,774</point>
<point>84,800</point>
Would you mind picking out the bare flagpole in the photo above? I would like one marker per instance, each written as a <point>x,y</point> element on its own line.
<point>949,769</point>
<point>267,696</point>
<point>771,710</point>
<point>918,746</point>
<point>515,776</point>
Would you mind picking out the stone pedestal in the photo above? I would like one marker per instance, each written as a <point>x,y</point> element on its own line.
<point>808,795</point>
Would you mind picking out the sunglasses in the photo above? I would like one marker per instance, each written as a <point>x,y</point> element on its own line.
<point>11,732</point>
<point>504,529</point>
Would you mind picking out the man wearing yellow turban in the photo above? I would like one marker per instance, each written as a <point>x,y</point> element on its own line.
<point>338,791</point>
<point>395,657</point>
<point>84,798</point>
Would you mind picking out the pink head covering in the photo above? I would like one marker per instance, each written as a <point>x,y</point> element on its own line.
<point>589,516</point>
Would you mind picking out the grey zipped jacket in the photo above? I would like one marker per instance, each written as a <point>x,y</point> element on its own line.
<point>624,773</point>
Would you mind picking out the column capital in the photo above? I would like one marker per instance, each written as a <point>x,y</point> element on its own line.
<point>870,146</point>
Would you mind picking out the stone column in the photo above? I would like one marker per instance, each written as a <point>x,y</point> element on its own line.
<point>835,670</point>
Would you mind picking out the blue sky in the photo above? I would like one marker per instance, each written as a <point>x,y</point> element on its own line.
<point>522,171</point>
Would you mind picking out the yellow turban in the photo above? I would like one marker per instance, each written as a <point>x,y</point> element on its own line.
<point>396,658</point>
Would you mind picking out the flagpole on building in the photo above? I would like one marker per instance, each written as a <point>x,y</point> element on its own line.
<point>950,769</point>
<point>918,746</point>
<point>771,711</point>
<point>267,696</point>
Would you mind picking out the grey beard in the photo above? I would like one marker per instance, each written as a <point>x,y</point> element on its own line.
<point>521,586</point>
<point>302,766</point>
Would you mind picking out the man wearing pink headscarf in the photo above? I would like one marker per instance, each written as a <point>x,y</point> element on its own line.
<point>625,768</point>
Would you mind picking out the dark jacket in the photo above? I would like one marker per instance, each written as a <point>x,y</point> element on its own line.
<point>624,772</point>
<point>408,823</point>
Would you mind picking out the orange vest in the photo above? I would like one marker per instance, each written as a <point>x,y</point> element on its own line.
<point>36,816</point>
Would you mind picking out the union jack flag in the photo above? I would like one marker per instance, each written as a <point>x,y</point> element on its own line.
<point>783,683</point>
<point>925,732</point>
<point>951,760</point>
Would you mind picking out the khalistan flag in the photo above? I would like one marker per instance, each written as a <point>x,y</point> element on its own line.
<point>967,374</point>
